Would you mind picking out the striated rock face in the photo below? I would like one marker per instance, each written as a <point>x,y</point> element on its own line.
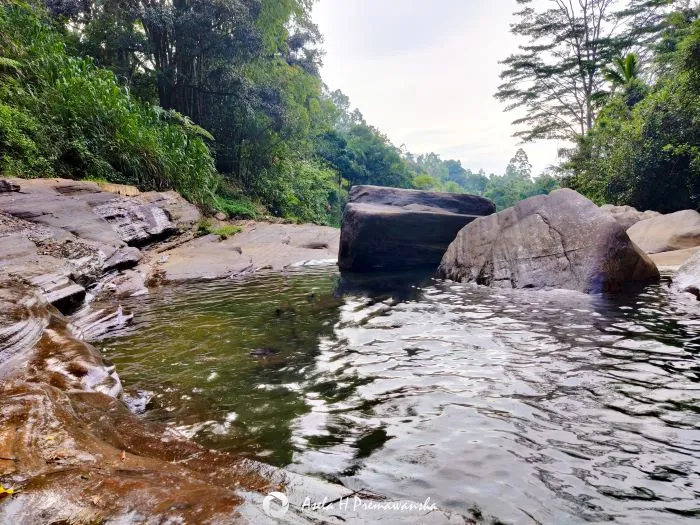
<point>628,216</point>
<point>395,229</point>
<point>675,231</point>
<point>560,240</point>
<point>63,235</point>
<point>135,223</point>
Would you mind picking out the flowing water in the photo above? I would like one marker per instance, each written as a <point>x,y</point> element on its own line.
<point>535,407</point>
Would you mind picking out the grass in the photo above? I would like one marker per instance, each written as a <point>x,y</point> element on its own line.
<point>206,227</point>
<point>229,230</point>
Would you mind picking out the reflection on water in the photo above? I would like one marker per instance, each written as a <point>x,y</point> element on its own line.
<point>538,407</point>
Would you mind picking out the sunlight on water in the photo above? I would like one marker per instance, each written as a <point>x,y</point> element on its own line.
<point>549,407</point>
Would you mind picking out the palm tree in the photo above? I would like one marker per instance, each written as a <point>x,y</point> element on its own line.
<point>623,72</point>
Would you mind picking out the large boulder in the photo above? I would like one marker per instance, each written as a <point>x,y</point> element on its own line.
<point>675,231</point>
<point>395,229</point>
<point>560,240</point>
<point>628,216</point>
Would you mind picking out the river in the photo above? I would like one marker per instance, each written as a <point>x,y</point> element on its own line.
<point>532,407</point>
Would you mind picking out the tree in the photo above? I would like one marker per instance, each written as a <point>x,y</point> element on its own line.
<point>61,115</point>
<point>648,155</point>
<point>624,70</point>
<point>519,166</point>
<point>556,75</point>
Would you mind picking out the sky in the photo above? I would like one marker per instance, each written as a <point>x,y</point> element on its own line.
<point>424,73</point>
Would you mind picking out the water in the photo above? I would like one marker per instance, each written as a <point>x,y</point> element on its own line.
<point>536,407</point>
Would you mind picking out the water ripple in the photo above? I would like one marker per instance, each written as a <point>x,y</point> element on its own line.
<point>538,407</point>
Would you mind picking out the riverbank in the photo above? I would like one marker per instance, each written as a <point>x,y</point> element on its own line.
<point>66,236</point>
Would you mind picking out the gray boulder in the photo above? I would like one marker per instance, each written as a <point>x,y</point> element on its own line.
<point>137,224</point>
<point>560,240</point>
<point>687,279</point>
<point>396,229</point>
<point>123,259</point>
<point>666,233</point>
<point>628,216</point>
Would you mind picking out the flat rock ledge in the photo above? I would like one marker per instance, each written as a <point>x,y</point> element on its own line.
<point>390,229</point>
<point>560,240</point>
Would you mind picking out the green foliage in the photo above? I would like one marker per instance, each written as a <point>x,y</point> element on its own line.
<point>207,227</point>
<point>647,155</point>
<point>301,190</point>
<point>239,207</point>
<point>204,227</point>
<point>559,71</point>
<point>62,115</point>
<point>227,231</point>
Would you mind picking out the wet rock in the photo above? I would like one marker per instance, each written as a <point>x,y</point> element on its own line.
<point>560,240</point>
<point>628,216</point>
<point>675,231</point>
<point>92,323</point>
<point>395,229</point>
<point>129,284</point>
<point>262,353</point>
<point>687,278</point>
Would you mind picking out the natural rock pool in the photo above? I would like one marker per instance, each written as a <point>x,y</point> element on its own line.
<point>535,407</point>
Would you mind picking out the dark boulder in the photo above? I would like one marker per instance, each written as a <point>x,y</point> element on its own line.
<point>396,229</point>
<point>560,240</point>
<point>7,186</point>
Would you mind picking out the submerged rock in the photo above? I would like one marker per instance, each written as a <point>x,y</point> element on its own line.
<point>560,240</point>
<point>628,216</point>
<point>396,229</point>
<point>675,231</point>
<point>262,353</point>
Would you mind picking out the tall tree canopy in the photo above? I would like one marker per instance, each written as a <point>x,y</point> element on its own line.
<point>645,152</point>
<point>555,76</point>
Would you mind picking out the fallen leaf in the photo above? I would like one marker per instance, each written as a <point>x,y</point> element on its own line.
<point>6,492</point>
<point>96,500</point>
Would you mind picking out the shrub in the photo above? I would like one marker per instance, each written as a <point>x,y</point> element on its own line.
<point>62,115</point>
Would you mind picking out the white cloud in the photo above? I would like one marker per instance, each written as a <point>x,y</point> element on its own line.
<point>425,74</point>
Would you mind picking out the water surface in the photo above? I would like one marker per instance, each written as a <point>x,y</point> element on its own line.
<point>536,407</point>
